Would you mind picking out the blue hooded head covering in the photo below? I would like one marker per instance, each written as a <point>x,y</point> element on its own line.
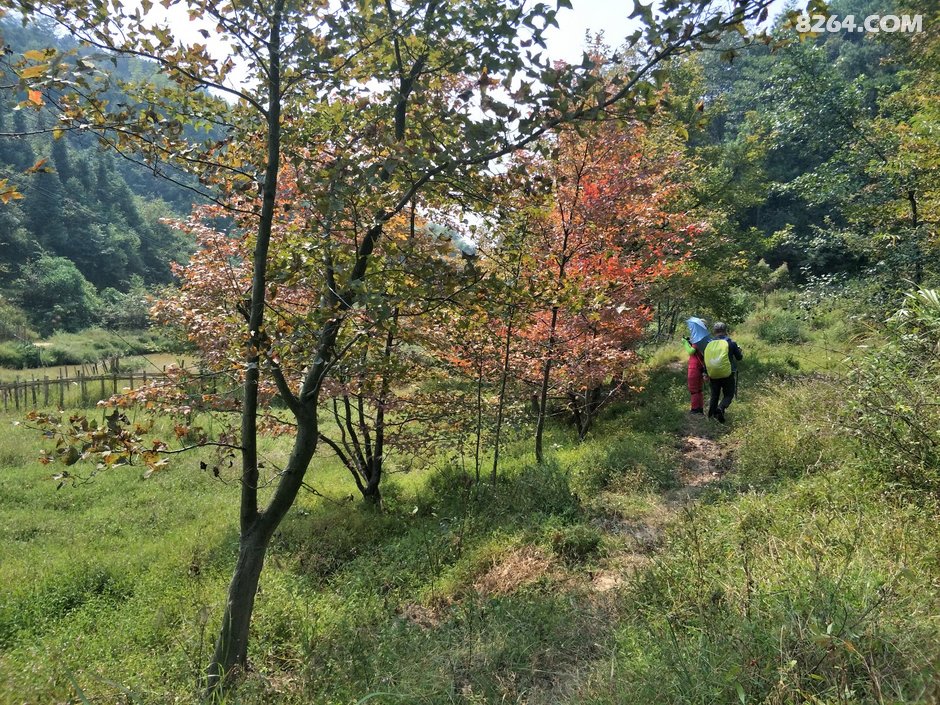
<point>698,331</point>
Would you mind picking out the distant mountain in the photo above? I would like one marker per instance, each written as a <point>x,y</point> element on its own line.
<point>86,216</point>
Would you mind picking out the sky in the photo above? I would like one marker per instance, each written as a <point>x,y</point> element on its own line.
<point>611,16</point>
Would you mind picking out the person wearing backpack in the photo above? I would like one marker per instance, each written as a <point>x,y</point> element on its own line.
<point>721,357</point>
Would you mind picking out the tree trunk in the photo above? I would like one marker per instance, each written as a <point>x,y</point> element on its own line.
<point>256,528</point>
<point>504,376</point>
<point>543,391</point>
<point>371,493</point>
<point>479,411</point>
<point>231,648</point>
<point>915,223</point>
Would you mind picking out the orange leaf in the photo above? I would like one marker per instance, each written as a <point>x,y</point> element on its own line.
<point>38,166</point>
<point>34,71</point>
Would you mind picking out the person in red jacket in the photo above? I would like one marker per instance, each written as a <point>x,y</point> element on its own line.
<point>696,374</point>
<point>695,344</point>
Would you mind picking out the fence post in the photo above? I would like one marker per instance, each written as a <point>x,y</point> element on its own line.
<point>102,386</point>
<point>45,390</point>
<point>83,384</point>
<point>16,394</point>
<point>62,384</point>
<point>4,398</point>
<point>32,387</point>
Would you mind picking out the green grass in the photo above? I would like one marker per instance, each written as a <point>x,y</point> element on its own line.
<point>65,352</point>
<point>801,577</point>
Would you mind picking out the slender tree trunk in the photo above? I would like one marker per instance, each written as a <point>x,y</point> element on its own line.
<point>377,461</point>
<point>915,223</point>
<point>231,649</point>
<point>479,428</point>
<point>504,376</point>
<point>371,493</point>
<point>543,390</point>
<point>232,644</point>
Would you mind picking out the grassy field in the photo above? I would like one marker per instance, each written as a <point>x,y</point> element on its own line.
<point>153,363</point>
<point>798,574</point>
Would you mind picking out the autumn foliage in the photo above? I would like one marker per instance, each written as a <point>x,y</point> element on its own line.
<point>606,233</point>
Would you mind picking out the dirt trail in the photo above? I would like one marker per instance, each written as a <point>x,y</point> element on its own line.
<point>702,461</point>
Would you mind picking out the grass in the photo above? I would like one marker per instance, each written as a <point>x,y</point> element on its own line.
<point>63,353</point>
<point>801,577</point>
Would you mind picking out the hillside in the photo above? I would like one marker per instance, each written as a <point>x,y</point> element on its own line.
<point>88,229</point>
<point>666,559</point>
<point>505,380</point>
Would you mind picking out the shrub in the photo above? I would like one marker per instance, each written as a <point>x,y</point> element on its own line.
<point>779,326</point>
<point>19,355</point>
<point>576,543</point>
<point>59,297</point>
<point>893,392</point>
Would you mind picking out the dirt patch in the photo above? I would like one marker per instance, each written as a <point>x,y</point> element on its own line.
<point>511,571</point>
<point>606,580</point>
<point>425,617</point>
<point>703,461</point>
<point>620,568</point>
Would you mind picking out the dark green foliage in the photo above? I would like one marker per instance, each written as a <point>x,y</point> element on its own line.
<point>56,295</point>
<point>131,310</point>
<point>19,355</point>
<point>779,326</point>
<point>83,205</point>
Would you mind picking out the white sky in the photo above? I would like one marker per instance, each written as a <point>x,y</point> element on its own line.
<point>611,16</point>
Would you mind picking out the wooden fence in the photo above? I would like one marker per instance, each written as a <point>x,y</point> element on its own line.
<point>76,390</point>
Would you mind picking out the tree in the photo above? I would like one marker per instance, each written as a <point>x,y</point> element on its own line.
<point>59,297</point>
<point>606,236</point>
<point>371,394</point>
<point>379,101</point>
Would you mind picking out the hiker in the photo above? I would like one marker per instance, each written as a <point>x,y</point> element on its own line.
<point>695,344</point>
<point>721,358</point>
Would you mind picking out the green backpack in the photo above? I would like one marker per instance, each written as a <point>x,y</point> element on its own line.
<point>718,359</point>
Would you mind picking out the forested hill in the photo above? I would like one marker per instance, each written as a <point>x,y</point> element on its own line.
<point>811,148</point>
<point>88,227</point>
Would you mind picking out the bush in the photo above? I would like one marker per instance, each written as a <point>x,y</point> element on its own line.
<point>779,326</point>
<point>532,491</point>
<point>893,393</point>
<point>576,543</point>
<point>58,296</point>
<point>19,355</point>
<point>14,323</point>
